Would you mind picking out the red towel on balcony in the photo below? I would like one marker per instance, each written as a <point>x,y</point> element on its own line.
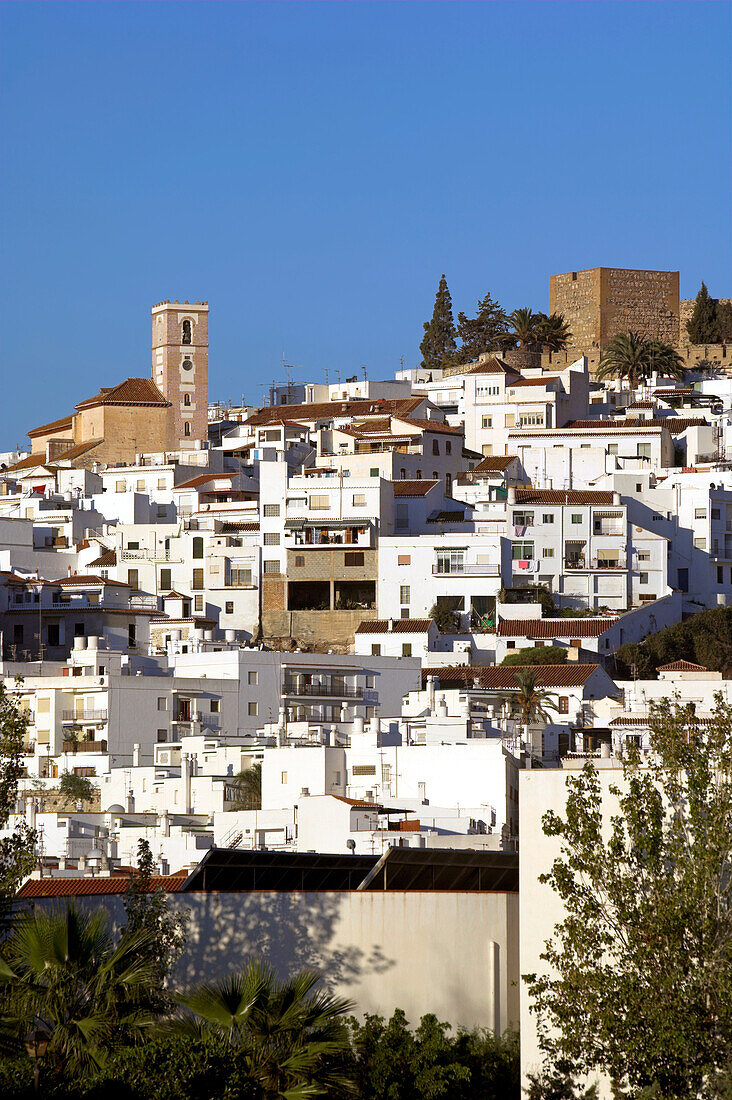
<point>523,564</point>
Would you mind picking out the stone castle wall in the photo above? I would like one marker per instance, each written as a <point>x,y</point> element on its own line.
<point>603,301</point>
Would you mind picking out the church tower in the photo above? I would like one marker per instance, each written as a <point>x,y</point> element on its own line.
<point>180,367</point>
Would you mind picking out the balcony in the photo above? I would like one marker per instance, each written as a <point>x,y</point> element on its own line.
<point>608,529</point>
<point>69,717</point>
<point>582,564</point>
<point>143,603</point>
<point>473,569</point>
<point>321,691</point>
<point>155,555</point>
<point>84,746</point>
<point>212,721</point>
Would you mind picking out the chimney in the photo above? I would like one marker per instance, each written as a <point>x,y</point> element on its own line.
<point>136,755</point>
<point>391,625</point>
<point>511,496</point>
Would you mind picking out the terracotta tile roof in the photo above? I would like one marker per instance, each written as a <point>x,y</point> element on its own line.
<point>641,405</point>
<point>28,463</point>
<point>105,560</point>
<point>673,391</point>
<point>646,719</point>
<point>554,628</point>
<point>86,579</point>
<point>358,802</point>
<point>534,381</point>
<point>77,451</point>
<point>329,410</point>
<point>53,425</point>
<point>501,677</point>
<point>682,666</point>
<point>413,488</point>
<point>494,464</point>
<point>173,595</point>
<point>490,366</point>
<point>63,887</point>
<point>430,425</point>
<point>577,427</point>
<point>674,424</point>
<point>378,424</point>
<point>231,528</point>
<point>398,626</point>
<point>564,496</point>
<point>678,424</point>
<point>133,391</point>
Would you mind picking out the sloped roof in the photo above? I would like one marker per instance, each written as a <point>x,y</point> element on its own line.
<point>430,425</point>
<point>53,425</point>
<point>326,410</point>
<point>77,451</point>
<point>682,666</point>
<point>554,628</point>
<point>493,464</point>
<point>28,463</point>
<point>564,496</point>
<point>413,488</point>
<point>494,365</point>
<point>133,391</point>
<point>535,381</point>
<point>203,479</point>
<point>68,887</point>
<point>105,560</point>
<point>674,424</point>
<point>87,579</point>
<point>503,677</point>
<point>398,626</point>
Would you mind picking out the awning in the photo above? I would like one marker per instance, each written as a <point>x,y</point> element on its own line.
<point>608,515</point>
<point>608,555</point>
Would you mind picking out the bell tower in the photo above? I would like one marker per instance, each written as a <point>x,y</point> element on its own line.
<point>180,367</point>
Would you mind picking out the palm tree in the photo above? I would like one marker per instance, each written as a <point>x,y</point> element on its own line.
<point>633,357</point>
<point>288,1031</point>
<point>248,785</point>
<point>67,984</point>
<point>524,324</point>
<point>531,702</point>
<point>553,331</point>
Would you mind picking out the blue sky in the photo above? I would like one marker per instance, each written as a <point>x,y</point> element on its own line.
<point>310,169</point>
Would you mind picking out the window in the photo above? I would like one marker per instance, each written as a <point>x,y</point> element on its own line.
<point>229,607</point>
<point>564,704</point>
<point>548,517</point>
<point>700,513</point>
<point>644,555</point>
<point>374,471</point>
<point>198,603</point>
<point>197,580</point>
<point>186,427</point>
<point>355,557</point>
<point>403,474</point>
<point>133,578</point>
<point>405,613</point>
<point>404,593</point>
<point>643,578</point>
<point>186,399</point>
<point>404,559</point>
<point>271,509</point>
<point>252,677</point>
<point>612,448</point>
<point>239,576</point>
<point>638,486</point>
<point>215,706</point>
<point>52,634</point>
<point>283,777</point>
<point>435,446</point>
<point>700,544</point>
<point>510,645</point>
<point>522,550</point>
<point>576,517</point>
<point>720,575</point>
<point>448,447</point>
<point>198,547</point>
<point>406,649</point>
<point>162,735</point>
<point>320,503</point>
<point>715,513</point>
<point>548,552</point>
<point>161,483</point>
<point>523,519</point>
<point>487,421</point>
<point>141,486</point>
<point>359,500</point>
<point>162,702</point>
<point>120,486</point>
<point>375,649</point>
<point>131,635</point>
<point>165,580</point>
<point>299,560</point>
<point>271,567</point>
<point>644,450</point>
<point>252,709</point>
<point>271,538</point>
<point>363,769</point>
<point>187,334</point>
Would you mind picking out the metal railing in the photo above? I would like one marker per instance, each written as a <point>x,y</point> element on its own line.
<point>595,563</point>
<point>320,691</point>
<point>87,716</point>
<point>487,569</point>
<point>84,746</point>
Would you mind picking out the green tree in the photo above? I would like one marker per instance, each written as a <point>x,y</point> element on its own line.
<point>634,358</point>
<point>17,850</point>
<point>292,1034</point>
<point>703,325</point>
<point>148,911</point>
<point>63,978</point>
<point>525,328</point>
<point>724,321</point>
<point>537,655</point>
<point>530,702</point>
<point>76,788</point>
<point>438,343</point>
<point>639,977</point>
<point>444,614</point>
<point>553,331</point>
<point>248,786</point>
<point>704,639</point>
<point>483,333</point>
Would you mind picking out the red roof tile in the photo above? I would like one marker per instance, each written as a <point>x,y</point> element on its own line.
<point>413,488</point>
<point>398,626</point>
<point>327,410</point>
<point>554,628</point>
<point>63,887</point>
<point>430,425</point>
<point>105,560</point>
<point>682,666</point>
<point>534,381</point>
<point>87,579</point>
<point>501,677</point>
<point>133,391</point>
<point>53,425</point>
<point>564,496</point>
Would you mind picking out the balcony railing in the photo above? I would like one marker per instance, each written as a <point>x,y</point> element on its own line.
<point>213,721</point>
<point>322,691</point>
<point>594,563</point>
<point>476,569</point>
<point>143,603</point>
<point>149,555</point>
<point>608,529</point>
<point>84,746</point>
<point>87,716</point>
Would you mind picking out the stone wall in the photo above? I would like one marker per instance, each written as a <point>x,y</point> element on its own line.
<point>314,628</point>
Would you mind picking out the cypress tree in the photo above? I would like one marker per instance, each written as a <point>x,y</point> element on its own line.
<point>487,331</point>
<point>703,327</point>
<point>438,342</point>
<point>724,321</point>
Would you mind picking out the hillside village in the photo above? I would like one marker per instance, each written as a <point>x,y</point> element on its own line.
<point>343,648</point>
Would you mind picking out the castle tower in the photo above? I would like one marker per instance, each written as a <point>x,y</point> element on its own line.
<point>180,367</point>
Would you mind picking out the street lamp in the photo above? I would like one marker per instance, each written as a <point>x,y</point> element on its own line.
<point>36,1044</point>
